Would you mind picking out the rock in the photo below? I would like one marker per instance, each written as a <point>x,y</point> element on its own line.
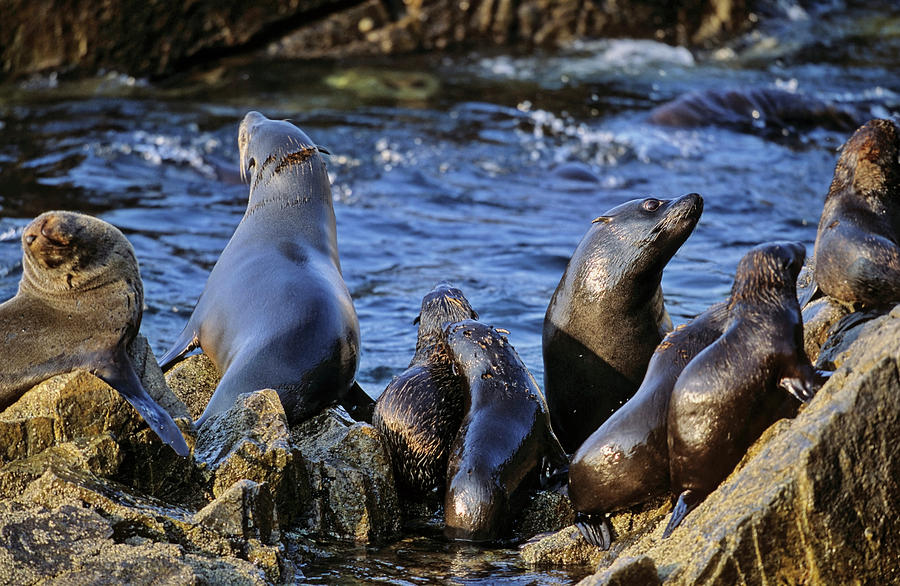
<point>841,336</point>
<point>153,379</point>
<point>348,478</point>
<point>252,441</point>
<point>69,544</point>
<point>817,502</point>
<point>818,317</point>
<point>625,572</point>
<point>164,37</point>
<point>246,511</point>
<point>547,510</point>
<point>193,381</point>
<point>564,548</point>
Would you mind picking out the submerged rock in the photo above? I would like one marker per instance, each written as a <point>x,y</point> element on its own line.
<point>813,502</point>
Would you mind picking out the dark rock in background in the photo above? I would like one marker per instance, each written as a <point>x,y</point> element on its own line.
<point>163,37</point>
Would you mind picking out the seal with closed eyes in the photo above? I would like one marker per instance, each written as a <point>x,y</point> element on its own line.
<point>79,305</point>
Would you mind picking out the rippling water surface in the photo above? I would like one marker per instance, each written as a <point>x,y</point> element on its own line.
<point>442,168</point>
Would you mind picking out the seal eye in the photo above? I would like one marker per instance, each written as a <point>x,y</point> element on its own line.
<point>651,205</point>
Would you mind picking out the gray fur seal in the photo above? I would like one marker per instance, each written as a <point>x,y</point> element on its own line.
<point>79,305</point>
<point>607,316</point>
<point>275,312</point>
<point>857,251</point>
<point>420,411</point>
<point>626,461</point>
<point>732,391</point>
<point>504,446</point>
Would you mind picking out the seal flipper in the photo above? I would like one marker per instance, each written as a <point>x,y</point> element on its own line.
<point>187,341</point>
<point>358,403</point>
<point>595,529</point>
<point>120,375</point>
<point>687,502</point>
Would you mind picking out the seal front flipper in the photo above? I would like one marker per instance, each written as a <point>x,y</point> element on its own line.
<point>187,341</point>
<point>595,529</point>
<point>358,403</point>
<point>120,375</point>
<point>687,502</point>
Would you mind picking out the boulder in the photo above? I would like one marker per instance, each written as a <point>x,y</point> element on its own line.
<point>815,500</point>
<point>193,381</point>
<point>348,477</point>
<point>818,317</point>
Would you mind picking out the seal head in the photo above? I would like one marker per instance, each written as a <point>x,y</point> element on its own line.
<point>79,305</point>
<point>607,316</point>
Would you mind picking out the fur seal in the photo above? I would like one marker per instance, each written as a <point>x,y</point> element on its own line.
<point>504,446</point>
<point>626,461</point>
<point>857,250</point>
<point>420,411</point>
<point>79,305</point>
<point>275,312</point>
<point>731,392</point>
<point>753,110</point>
<point>607,316</point>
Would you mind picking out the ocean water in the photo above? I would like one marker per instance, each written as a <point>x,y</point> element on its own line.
<point>447,168</point>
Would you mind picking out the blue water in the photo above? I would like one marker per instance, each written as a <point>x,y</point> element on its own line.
<point>443,168</point>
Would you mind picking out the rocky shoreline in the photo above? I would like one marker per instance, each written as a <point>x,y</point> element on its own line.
<point>90,494</point>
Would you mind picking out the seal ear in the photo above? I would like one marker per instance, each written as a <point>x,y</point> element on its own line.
<point>417,320</point>
<point>322,150</point>
<point>603,219</point>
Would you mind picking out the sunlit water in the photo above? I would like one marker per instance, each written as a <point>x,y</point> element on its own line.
<point>442,168</point>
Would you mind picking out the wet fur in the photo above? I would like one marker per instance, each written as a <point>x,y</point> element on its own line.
<point>607,316</point>
<point>420,411</point>
<point>857,251</point>
<point>504,442</point>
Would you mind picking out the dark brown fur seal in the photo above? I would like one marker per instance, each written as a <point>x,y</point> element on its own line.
<point>626,461</point>
<point>607,316</point>
<point>732,391</point>
<point>420,411</point>
<point>275,312</point>
<point>504,445</point>
<point>753,110</point>
<point>857,251</point>
<point>79,305</point>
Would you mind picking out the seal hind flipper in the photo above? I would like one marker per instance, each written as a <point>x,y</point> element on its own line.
<point>799,387</point>
<point>687,502</point>
<point>187,341</point>
<point>595,529</point>
<point>120,375</point>
<point>358,403</point>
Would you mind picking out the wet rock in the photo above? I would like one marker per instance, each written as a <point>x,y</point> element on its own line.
<point>563,548</point>
<point>348,477</point>
<point>818,317</point>
<point>816,503</point>
<point>547,510</point>
<point>252,441</point>
<point>193,381</point>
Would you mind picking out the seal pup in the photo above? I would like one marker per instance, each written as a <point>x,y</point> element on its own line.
<point>607,316</point>
<point>857,250</point>
<point>79,305</point>
<point>626,461</point>
<point>731,392</point>
<point>504,446</point>
<point>420,411</point>
<point>275,312</point>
